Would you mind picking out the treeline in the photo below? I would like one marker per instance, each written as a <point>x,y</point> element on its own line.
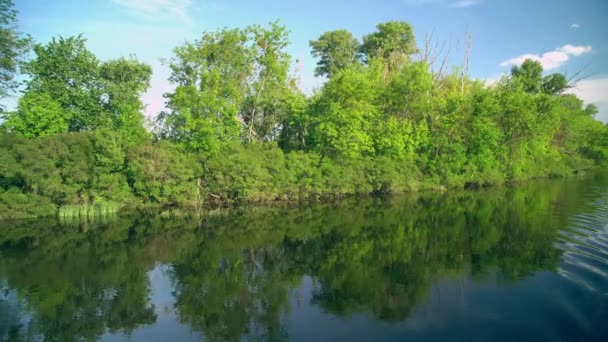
<point>237,127</point>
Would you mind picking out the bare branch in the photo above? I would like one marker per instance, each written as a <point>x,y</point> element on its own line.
<point>465,68</point>
<point>578,76</point>
<point>445,60</point>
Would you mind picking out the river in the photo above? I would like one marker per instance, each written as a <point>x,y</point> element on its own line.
<point>520,262</point>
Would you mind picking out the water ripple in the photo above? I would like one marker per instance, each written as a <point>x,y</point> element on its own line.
<point>585,246</point>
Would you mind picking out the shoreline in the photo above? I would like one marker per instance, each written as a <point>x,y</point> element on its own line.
<point>290,202</point>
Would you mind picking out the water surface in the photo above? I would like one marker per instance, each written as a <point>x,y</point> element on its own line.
<point>528,262</point>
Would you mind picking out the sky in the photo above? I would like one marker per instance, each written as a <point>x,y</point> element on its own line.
<point>567,36</point>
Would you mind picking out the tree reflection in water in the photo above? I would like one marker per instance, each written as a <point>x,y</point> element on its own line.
<point>233,273</point>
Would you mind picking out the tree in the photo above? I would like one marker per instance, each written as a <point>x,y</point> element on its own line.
<point>13,46</point>
<point>529,75</point>
<point>38,115</point>
<point>268,88</point>
<point>388,124</point>
<point>591,110</point>
<point>91,94</point>
<point>336,51</point>
<point>69,73</point>
<point>393,40</point>
<point>124,81</point>
<point>554,84</point>
<point>231,84</point>
<point>404,103</point>
<point>210,75</point>
<point>295,123</point>
<point>345,111</point>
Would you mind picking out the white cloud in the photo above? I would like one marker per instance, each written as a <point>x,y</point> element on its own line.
<point>575,50</point>
<point>552,59</point>
<point>594,91</point>
<point>156,9</point>
<point>464,3</point>
<point>449,3</point>
<point>575,26</point>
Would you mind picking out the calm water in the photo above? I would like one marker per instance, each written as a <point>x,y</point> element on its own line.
<point>522,263</point>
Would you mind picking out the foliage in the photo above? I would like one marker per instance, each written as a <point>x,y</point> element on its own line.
<point>210,76</point>
<point>237,129</point>
<point>160,174</point>
<point>529,75</point>
<point>124,81</point>
<point>13,48</point>
<point>336,51</point>
<point>269,88</point>
<point>38,116</point>
<point>393,41</point>
<point>230,82</point>
<point>70,90</point>
<point>344,112</point>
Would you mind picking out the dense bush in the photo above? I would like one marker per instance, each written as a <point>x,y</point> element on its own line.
<point>161,174</point>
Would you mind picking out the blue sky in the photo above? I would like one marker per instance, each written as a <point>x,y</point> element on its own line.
<point>565,35</point>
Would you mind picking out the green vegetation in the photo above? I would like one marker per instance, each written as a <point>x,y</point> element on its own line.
<point>13,46</point>
<point>87,211</point>
<point>237,128</point>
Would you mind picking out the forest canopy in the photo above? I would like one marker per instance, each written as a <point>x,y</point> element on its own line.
<point>237,127</point>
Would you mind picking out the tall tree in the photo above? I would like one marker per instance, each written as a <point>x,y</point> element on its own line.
<point>231,84</point>
<point>211,77</point>
<point>591,110</point>
<point>90,94</point>
<point>69,73</point>
<point>13,46</point>
<point>269,83</point>
<point>336,51</point>
<point>344,112</point>
<point>554,84</point>
<point>124,81</point>
<point>529,75</point>
<point>393,40</point>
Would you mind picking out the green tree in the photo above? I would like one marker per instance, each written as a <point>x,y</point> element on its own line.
<point>393,40</point>
<point>345,111</point>
<point>554,84</point>
<point>591,110</point>
<point>38,115</point>
<point>405,102</point>
<point>269,84</point>
<point>386,125</point>
<point>231,84</point>
<point>210,75</point>
<point>124,81</point>
<point>336,51</point>
<point>13,46</point>
<point>529,75</point>
<point>295,123</point>
<point>69,73</point>
<point>91,94</point>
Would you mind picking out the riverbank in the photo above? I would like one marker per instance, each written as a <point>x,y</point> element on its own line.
<point>89,175</point>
